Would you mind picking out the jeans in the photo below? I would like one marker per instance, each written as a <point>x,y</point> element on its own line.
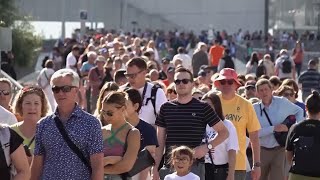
<point>298,69</point>
<point>216,172</point>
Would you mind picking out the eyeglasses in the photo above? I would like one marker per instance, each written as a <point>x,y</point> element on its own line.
<point>106,113</point>
<point>184,160</point>
<point>250,88</point>
<point>169,91</point>
<point>287,94</point>
<point>5,92</point>
<point>224,82</point>
<point>65,89</point>
<point>184,81</point>
<point>133,75</point>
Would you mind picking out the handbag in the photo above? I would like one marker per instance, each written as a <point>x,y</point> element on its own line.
<point>281,137</point>
<point>143,161</point>
<point>71,145</point>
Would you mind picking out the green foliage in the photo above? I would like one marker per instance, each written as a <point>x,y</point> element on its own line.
<point>24,42</point>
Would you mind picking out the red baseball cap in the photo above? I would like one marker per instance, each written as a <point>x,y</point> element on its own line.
<point>227,73</point>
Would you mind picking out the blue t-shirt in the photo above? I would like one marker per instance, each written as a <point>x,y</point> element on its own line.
<point>303,107</point>
<point>86,67</point>
<point>148,134</point>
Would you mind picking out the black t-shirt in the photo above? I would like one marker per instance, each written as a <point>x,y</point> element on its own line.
<point>148,134</point>
<point>304,141</point>
<point>185,124</point>
<point>15,142</point>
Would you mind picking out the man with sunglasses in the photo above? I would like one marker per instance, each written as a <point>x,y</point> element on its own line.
<point>272,112</point>
<point>183,121</point>
<point>136,74</point>
<point>250,89</point>
<point>241,113</point>
<point>69,141</point>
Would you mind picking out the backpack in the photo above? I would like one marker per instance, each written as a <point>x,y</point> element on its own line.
<point>153,96</point>
<point>5,148</point>
<point>261,70</point>
<point>286,66</point>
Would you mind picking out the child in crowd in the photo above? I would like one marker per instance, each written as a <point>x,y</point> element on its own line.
<point>182,160</point>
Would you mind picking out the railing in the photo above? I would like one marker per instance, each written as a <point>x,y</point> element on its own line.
<point>16,85</point>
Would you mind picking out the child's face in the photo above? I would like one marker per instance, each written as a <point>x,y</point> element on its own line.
<point>182,163</point>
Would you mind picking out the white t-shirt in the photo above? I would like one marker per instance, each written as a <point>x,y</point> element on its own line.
<point>6,117</point>
<point>147,111</point>
<point>44,76</point>
<point>71,62</point>
<point>186,60</point>
<point>220,155</point>
<point>174,176</point>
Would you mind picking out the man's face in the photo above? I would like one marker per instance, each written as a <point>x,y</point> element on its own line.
<point>135,76</point>
<point>264,92</point>
<point>5,94</point>
<point>183,83</point>
<point>250,92</point>
<point>227,86</point>
<point>67,94</point>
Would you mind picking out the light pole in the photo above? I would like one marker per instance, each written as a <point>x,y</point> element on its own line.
<point>293,13</point>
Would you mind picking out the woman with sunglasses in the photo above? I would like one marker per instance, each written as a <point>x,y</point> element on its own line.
<point>105,90</point>
<point>224,155</point>
<point>289,93</point>
<point>121,140</point>
<point>31,104</point>
<point>171,92</point>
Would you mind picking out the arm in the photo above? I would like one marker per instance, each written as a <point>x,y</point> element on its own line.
<point>255,145</point>
<point>129,157</point>
<point>221,65</point>
<point>96,161</point>
<point>36,168</point>
<point>20,162</point>
<point>144,174</point>
<point>289,157</point>
<point>232,164</point>
<point>161,134</point>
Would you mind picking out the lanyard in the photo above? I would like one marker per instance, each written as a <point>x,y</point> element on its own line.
<point>144,91</point>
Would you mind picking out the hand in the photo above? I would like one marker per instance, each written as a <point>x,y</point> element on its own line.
<point>280,128</point>
<point>256,173</point>
<point>200,151</point>
<point>155,174</point>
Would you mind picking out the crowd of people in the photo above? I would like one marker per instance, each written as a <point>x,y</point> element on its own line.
<point>120,107</point>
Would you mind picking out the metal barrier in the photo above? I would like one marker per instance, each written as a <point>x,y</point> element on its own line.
<point>16,85</point>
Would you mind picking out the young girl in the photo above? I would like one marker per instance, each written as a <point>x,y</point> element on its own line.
<point>182,160</point>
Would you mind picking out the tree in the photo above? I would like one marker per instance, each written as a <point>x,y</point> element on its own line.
<point>24,42</point>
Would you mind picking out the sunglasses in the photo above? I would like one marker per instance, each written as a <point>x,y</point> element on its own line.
<point>184,81</point>
<point>106,113</point>
<point>250,88</point>
<point>288,94</point>
<point>169,91</point>
<point>133,75</point>
<point>65,89</point>
<point>183,160</point>
<point>5,92</point>
<point>224,82</point>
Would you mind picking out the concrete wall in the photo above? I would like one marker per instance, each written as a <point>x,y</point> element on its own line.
<point>165,14</point>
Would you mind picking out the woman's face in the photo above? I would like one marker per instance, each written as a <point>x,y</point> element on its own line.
<point>289,95</point>
<point>171,94</point>
<point>31,107</point>
<point>111,113</point>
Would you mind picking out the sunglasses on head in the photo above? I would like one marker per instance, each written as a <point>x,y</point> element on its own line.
<point>184,81</point>
<point>171,91</point>
<point>5,92</point>
<point>132,76</point>
<point>224,82</point>
<point>65,89</point>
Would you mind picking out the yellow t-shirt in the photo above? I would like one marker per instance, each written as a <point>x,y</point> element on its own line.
<point>26,141</point>
<point>241,113</point>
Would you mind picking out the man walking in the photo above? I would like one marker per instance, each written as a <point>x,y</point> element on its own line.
<point>69,142</point>
<point>241,113</point>
<point>183,122</point>
<point>271,112</point>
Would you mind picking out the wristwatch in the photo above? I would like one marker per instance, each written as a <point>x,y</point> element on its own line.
<point>209,146</point>
<point>257,164</point>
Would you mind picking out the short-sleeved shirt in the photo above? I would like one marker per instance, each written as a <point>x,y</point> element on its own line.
<point>189,176</point>
<point>241,113</point>
<point>304,137</point>
<point>148,135</point>
<point>185,124</point>
<point>15,142</point>
<point>216,53</point>
<point>71,61</point>
<point>7,117</point>
<point>86,67</point>
<point>85,132</point>
<point>279,63</point>
<point>310,79</point>
<point>26,141</point>
<point>96,76</point>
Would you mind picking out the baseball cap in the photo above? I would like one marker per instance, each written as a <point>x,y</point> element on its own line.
<point>170,69</point>
<point>202,73</point>
<point>227,73</point>
<point>203,67</point>
<point>250,84</point>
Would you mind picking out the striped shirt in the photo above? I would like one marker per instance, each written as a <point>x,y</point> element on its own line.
<point>185,124</point>
<point>310,79</point>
